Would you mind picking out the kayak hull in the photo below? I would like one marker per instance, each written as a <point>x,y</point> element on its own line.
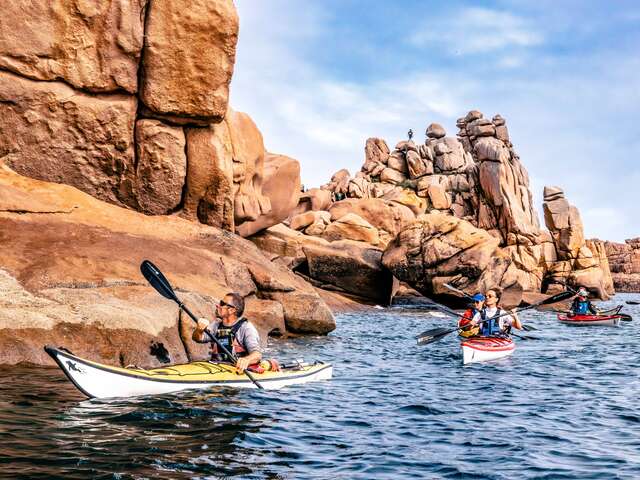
<point>96,380</point>
<point>590,320</point>
<point>484,349</point>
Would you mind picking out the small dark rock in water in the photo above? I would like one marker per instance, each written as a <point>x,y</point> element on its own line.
<point>159,351</point>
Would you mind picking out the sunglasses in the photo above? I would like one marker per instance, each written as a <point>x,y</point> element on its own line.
<point>225,304</point>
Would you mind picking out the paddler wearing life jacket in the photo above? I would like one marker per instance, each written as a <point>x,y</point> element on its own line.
<point>581,304</point>
<point>493,320</point>
<point>235,332</point>
<point>466,328</point>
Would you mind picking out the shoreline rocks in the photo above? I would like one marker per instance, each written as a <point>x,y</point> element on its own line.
<point>624,259</point>
<point>69,275</point>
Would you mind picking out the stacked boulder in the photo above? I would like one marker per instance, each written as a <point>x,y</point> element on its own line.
<point>139,115</point>
<point>477,178</point>
<point>624,259</point>
<point>439,248</point>
<point>576,261</point>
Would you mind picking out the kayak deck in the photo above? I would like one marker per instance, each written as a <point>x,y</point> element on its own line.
<point>103,381</point>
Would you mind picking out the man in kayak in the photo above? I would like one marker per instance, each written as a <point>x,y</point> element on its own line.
<point>466,329</point>
<point>581,304</point>
<point>493,320</point>
<point>233,331</point>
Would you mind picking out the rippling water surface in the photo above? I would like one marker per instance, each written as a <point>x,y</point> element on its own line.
<point>563,406</point>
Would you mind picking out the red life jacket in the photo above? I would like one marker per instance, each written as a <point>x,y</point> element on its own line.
<point>467,316</point>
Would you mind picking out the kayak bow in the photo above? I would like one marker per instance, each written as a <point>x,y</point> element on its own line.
<point>104,381</point>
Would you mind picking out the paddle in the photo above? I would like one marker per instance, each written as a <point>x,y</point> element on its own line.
<point>469,297</point>
<point>523,337</point>
<point>433,335</point>
<point>158,281</point>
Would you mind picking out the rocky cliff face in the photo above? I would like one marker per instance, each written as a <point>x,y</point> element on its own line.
<point>624,259</point>
<point>127,101</point>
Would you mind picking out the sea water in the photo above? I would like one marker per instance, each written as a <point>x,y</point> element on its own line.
<point>565,405</point>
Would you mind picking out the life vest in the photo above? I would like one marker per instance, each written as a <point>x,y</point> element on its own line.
<point>227,337</point>
<point>491,326</point>
<point>580,307</point>
<point>466,330</point>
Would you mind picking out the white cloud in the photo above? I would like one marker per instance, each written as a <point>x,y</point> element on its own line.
<point>478,30</point>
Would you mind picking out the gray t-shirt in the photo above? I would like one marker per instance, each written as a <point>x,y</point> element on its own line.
<point>247,335</point>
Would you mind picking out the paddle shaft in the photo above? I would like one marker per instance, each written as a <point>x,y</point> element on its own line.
<point>158,281</point>
<point>220,346</point>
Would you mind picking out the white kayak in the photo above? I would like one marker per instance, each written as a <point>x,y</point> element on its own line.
<point>104,381</point>
<point>483,349</point>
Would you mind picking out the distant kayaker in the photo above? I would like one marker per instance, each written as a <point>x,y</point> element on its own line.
<point>233,331</point>
<point>493,320</point>
<point>466,329</point>
<point>581,304</point>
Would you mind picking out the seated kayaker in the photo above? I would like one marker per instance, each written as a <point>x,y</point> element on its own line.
<point>581,304</point>
<point>232,330</point>
<point>492,319</point>
<point>466,328</point>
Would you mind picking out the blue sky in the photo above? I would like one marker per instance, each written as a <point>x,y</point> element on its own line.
<point>320,77</point>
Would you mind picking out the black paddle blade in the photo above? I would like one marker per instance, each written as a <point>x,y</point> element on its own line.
<point>427,339</point>
<point>625,318</point>
<point>157,280</point>
<point>524,337</point>
<point>433,331</point>
<point>529,328</point>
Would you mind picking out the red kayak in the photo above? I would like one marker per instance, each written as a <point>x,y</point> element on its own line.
<point>582,320</point>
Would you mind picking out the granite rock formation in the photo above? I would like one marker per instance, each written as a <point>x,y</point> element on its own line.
<point>576,262</point>
<point>188,58</point>
<point>145,126</point>
<point>346,266</point>
<point>69,276</point>
<point>92,46</point>
<point>479,178</point>
<point>127,101</point>
<point>624,259</point>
